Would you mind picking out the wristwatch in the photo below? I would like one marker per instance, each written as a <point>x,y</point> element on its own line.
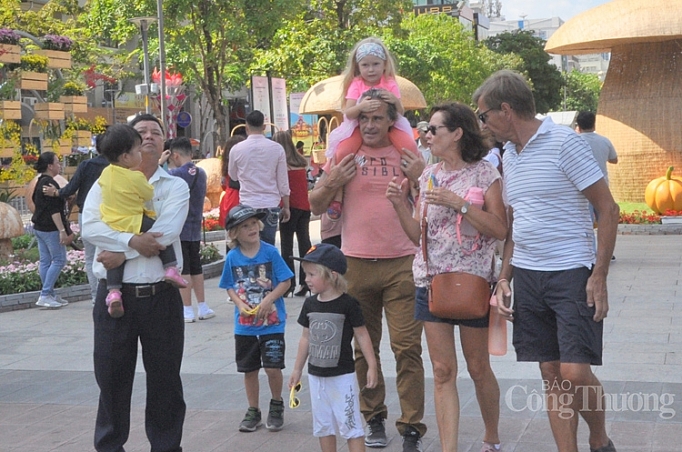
<point>465,208</point>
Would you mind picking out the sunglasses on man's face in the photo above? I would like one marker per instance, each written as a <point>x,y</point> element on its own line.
<point>294,402</point>
<point>483,117</point>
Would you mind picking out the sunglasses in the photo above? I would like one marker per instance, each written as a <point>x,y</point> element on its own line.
<point>433,129</point>
<point>294,402</point>
<point>483,116</point>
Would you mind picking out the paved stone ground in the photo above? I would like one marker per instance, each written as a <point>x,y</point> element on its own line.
<point>48,394</point>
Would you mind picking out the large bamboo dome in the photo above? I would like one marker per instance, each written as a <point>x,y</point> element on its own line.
<point>639,106</point>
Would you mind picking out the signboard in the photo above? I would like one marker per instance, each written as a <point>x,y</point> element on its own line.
<point>260,95</point>
<point>280,112</point>
<point>303,127</point>
<point>184,119</point>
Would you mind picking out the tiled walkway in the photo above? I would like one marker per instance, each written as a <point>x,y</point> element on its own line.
<point>48,394</point>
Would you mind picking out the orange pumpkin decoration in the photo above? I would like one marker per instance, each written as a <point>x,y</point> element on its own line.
<point>664,193</point>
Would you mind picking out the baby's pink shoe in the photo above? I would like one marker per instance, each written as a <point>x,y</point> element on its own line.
<point>172,276</point>
<point>115,304</point>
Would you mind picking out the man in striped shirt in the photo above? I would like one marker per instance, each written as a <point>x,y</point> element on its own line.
<point>561,298</point>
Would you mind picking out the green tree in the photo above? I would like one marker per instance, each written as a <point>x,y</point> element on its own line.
<point>545,78</point>
<point>581,91</point>
<point>444,69</point>
<point>314,45</point>
<point>211,42</point>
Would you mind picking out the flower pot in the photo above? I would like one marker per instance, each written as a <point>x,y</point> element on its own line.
<point>57,59</point>
<point>82,138</point>
<point>34,80</point>
<point>49,110</point>
<point>74,104</point>
<point>10,53</point>
<point>10,109</point>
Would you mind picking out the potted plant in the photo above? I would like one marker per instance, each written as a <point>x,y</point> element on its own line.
<point>10,138</point>
<point>9,108</point>
<point>33,72</point>
<point>51,138</point>
<point>10,51</point>
<point>79,130</point>
<point>73,99</point>
<point>57,49</point>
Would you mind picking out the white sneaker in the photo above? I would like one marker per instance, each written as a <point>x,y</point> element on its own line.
<point>48,301</point>
<point>189,318</point>
<point>61,301</point>
<point>205,312</point>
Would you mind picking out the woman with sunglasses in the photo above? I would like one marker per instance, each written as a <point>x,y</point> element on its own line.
<point>462,195</point>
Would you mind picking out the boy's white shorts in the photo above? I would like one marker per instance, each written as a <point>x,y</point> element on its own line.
<point>336,406</point>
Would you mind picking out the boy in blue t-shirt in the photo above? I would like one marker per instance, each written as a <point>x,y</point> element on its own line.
<point>256,277</point>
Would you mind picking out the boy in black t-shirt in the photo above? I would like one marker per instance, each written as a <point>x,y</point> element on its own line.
<point>330,318</point>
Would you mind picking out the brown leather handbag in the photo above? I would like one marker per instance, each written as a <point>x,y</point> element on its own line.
<point>455,295</point>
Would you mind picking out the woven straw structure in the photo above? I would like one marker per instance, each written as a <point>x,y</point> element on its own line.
<point>639,111</point>
<point>325,97</point>
<point>639,105</point>
<point>617,23</point>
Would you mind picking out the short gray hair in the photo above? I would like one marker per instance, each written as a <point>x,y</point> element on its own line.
<point>507,87</point>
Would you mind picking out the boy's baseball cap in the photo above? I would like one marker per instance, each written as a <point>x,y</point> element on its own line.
<point>422,125</point>
<point>327,255</point>
<point>239,214</point>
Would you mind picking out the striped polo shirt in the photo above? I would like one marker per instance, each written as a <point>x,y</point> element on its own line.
<point>552,227</point>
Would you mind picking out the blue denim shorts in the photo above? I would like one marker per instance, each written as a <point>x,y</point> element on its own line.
<point>421,312</point>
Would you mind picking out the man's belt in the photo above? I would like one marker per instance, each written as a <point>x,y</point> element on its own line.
<point>144,290</point>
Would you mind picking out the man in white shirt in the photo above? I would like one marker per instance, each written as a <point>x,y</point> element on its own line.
<point>260,166</point>
<point>561,297</point>
<point>153,309</point>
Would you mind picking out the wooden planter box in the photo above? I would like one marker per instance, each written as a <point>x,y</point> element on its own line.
<point>33,80</point>
<point>57,59</point>
<point>82,138</point>
<point>10,109</point>
<point>6,152</point>
<point>60,149</point>
<point>74,104</point>
<point>49,110</point>
<point>10,53</point>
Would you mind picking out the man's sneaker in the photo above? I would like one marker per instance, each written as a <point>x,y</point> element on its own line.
<point>376,432</point>
<point>61,301</point>
<point>251,420</point>
<point>205,312</point>
<point>412,440</point>
<point>275,420</point>
<point>48,301</point>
